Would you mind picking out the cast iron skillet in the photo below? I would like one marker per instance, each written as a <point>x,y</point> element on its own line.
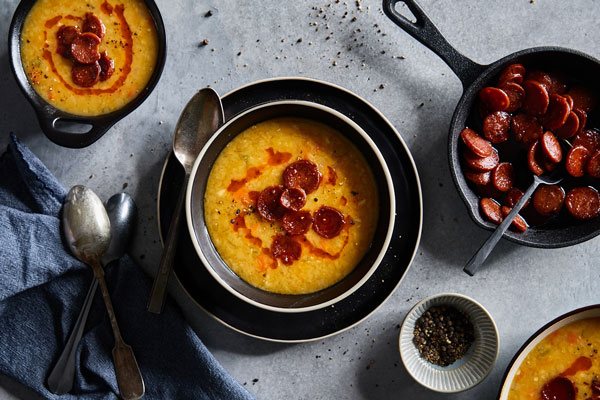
<point>558,232</point>
<point>48,115</point>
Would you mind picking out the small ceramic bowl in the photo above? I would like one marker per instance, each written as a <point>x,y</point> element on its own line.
<point>464,373</point>
<point>211,258</point>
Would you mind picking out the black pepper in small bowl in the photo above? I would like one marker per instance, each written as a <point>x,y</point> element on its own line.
<point>443,335</point>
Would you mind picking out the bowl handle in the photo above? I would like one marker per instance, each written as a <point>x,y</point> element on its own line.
<point>425,32</point>
<point>70,139</point>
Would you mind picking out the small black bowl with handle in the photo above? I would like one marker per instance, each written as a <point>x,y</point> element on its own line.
<point>561,231</point>
<point>52,119</point>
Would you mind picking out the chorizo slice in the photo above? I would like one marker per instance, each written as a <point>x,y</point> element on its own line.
<point>304,174</point>
<point>107,66</point>
<point>286,249</point>
<point>536,98</point>
<point>557,113</point>
<point>489,191</point>
<point>542,77</point>
<point>476,143</point>
<point>296,222</point>
<point>588,138</point>
<point>503,176</point>
<point>328,222</point>
<point>84,48</point>
<point>548,199</point>
<point>512,73</point>
<point>491,209</point>
<point>496,126</point>
<point>551,147</point>
<point>293,198</point>
<point>583,202</point>
<point>569,100</point>
<point>582,115</point>
<point>85,75</point>
<point>535,158</point>
<point>494,99</point>
<point>64,37</point>
<point>526,128</point>
<point>558,82</point>
<point>519,222</point>
<point>268,203</point>
<point>593,165</point>
<point>576,161</point>
<point>584,98</point>
<point>559,388</point>
<point>569,128</point>
<point>516,95</point>
<point>94,25</point>
<point>481,164</point>
<point>513,196</point>
<point>477,177</point>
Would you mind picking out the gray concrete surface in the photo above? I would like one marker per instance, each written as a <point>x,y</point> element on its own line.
<point>521,287</point>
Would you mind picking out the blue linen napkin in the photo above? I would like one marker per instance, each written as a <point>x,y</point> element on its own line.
<point>42,288</point>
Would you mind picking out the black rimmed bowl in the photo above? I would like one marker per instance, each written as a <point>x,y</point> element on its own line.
<point>207,251</point>
<point>558,232</point>
<point>579,314</point>
<point>51,117</point>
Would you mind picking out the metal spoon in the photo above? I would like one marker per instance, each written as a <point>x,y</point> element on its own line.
<point>87,229</point>
<point>484,251</point>
<point>122,213</point>
<point>201,117</point>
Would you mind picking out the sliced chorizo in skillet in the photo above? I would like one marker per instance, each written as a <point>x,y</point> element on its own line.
<point>496,126</point>
<point>494,99</point>
<point>477,177</point>
<point>512,73</point>
<point>583,98</point>
<point>557,112</point>
<point>559,388</point>
<point>296,222</point>
<point>558,83</point>
<point>491,209</point>
<point>519,222</point>
<point>94,25</point>
<point>576,161</point>
<point>476,143</point>
<point>593,165</point>
<point>84,48</point>
<point>569,128</point>
<point>569,100</point>
<point>304,174</point>
<point>328,222</point>
<point>551,147</point>
<point>548,199</point>
<point>513,196</point>
<point>542,77</point>
<point>107,66</point>
<point>588,138</point>
<point>535,158</point>
<point>293,198</point>
<point>286,249</point>
<point>64,38</point>
<point>85,75</point>
<point>503,176</point>
<point>489,191</point>
<point>268,204</point>
<point>526,128</point>
<point>583,202</point>
<point>481,164</point>
<point>536,98</point>
<point>582,115</point>
<point>516,95</point>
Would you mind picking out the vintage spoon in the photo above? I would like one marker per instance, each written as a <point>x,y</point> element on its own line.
<point>484,251</point>
<point>87,229</point>
<point>122,213</point>
<point>201,117</point>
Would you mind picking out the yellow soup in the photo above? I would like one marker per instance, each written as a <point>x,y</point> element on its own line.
<point>568,354</point>
<point>130,40</point>
<point>255,160</point>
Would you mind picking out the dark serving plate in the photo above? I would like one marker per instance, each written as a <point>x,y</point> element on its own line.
<point>49,115</point>
<point>213,298</point>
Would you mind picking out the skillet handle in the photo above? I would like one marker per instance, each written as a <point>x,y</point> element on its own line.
<point>70,139</point>
<point>425,32</point>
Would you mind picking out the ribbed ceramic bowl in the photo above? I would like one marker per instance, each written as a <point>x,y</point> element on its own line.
<point>464,373</point>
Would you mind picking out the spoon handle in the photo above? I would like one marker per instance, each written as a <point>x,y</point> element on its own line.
<point>159,287</point>
<point>487,247</point>
<point>129,378</point>
<point>60,380</point>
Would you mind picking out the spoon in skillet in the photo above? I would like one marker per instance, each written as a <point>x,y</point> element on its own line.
<point>121,211</point>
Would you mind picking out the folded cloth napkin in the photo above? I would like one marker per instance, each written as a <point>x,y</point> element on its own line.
<point>42,288</point>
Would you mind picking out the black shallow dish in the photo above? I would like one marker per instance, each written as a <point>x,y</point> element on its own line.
<point>559,232</point>
<point>206,249</point>
<point>294,327</point>
<point>49,115</point>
